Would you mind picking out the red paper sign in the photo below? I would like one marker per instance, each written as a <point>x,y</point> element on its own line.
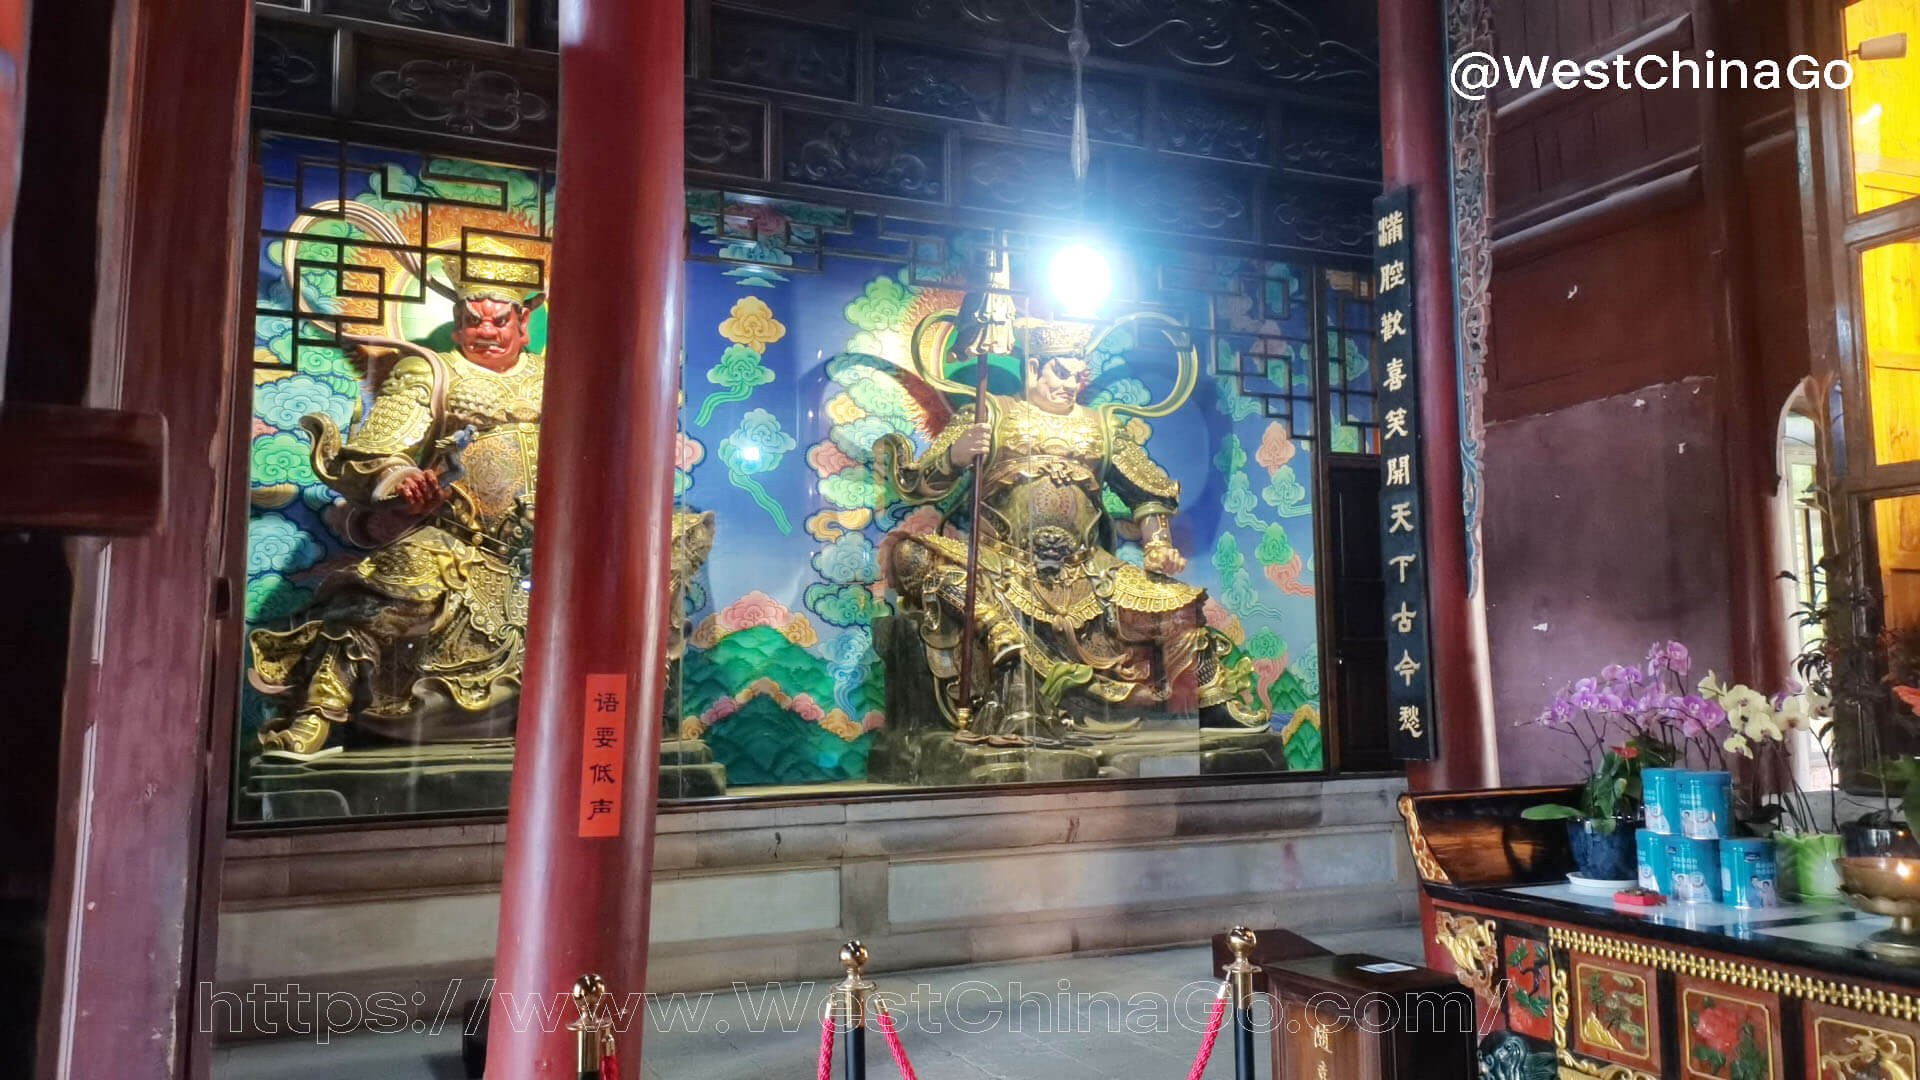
<point>602,754</point>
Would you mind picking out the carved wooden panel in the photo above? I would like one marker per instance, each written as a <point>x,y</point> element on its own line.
<point>938,82</point>
<point>543,25</point>
<point>779,54</point>
<point>1727,1032</point>
<point>864,156</point>
<point>1526,965</point>
<point>293,66</point>
<point>1612,1011</point>
<point>1324,44</point>
<point>1116,107</point>
<point>1321,216</point>
<point>1196,200</point>
<point>954,111</point>
<point>992,175</point>
<point>456,94</point>
<point>491,20</point>
<point>1845,1043</point>
<point>727,136</point>
<point>1329,142</point>
<point>1213,125</point>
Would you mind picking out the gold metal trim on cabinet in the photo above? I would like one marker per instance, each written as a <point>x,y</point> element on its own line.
<point>1473,945</point>
<point>1423,858</point>
<point>1737,973</point>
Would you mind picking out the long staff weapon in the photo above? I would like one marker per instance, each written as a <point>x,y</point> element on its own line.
<point>985,329</point>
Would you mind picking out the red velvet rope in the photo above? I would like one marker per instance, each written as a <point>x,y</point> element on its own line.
<point>609,1068</point>
<point>1214,1018</point>
<point>893,1044</point>
<point>826,1046</point>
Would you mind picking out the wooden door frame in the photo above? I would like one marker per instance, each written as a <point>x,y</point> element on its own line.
<point>136,875</point>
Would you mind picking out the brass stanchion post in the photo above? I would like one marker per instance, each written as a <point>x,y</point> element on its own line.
<point>594,1030</point>
<point>850,1011</point>
<point>1240,974</point>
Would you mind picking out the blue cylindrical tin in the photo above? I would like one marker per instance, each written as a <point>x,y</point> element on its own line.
<point>1696,870</point>
<point>1656,860</point>
<point>1661,788</point>
<point>1706,805</point>
<point>1747,873</point>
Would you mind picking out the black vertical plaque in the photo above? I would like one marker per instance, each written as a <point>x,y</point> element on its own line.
<point>1402,518</point>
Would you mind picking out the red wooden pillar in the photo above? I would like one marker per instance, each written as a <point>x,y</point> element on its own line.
<point>572,904</point>
<point>1413,112</point>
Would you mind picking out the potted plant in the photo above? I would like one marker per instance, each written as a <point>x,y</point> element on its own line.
<point>1625,719</point>
<point>1843,661</point>
<point>1885,831</point>
<point>1600,829</point>
<point>1759,729</point>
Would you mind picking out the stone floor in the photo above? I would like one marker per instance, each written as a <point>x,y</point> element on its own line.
<point>1133,1015</point>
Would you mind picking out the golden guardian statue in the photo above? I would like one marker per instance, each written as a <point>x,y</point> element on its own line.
<point>1074,643</point>
<point>423,639</point>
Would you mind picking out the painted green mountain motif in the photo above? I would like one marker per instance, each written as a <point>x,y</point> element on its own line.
<point>1304,749</point>
<point>762,700</point>
<point>765,744</point>
<point>1288,693</point>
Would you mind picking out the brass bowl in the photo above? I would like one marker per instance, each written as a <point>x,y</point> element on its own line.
<point>1881,876</point>
<point>1884,885</point>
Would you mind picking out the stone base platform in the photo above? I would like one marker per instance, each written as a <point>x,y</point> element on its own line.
<point>688,771</point>
<point>941,758</point>
<point>755,892</point>
<point>430,778</point>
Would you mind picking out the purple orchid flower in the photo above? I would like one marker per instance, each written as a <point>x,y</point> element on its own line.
<point>1679,659</point>
<point>1620,673</point>
<point>1668,656</point>
<point>1698,715</point>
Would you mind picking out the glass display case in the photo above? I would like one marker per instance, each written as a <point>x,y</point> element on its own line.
<point>1142,590</point>
<point>1002,438</point>
<point>1142,585</point>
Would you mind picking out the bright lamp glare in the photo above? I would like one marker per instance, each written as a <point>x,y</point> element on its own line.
<point>1080,279</point>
